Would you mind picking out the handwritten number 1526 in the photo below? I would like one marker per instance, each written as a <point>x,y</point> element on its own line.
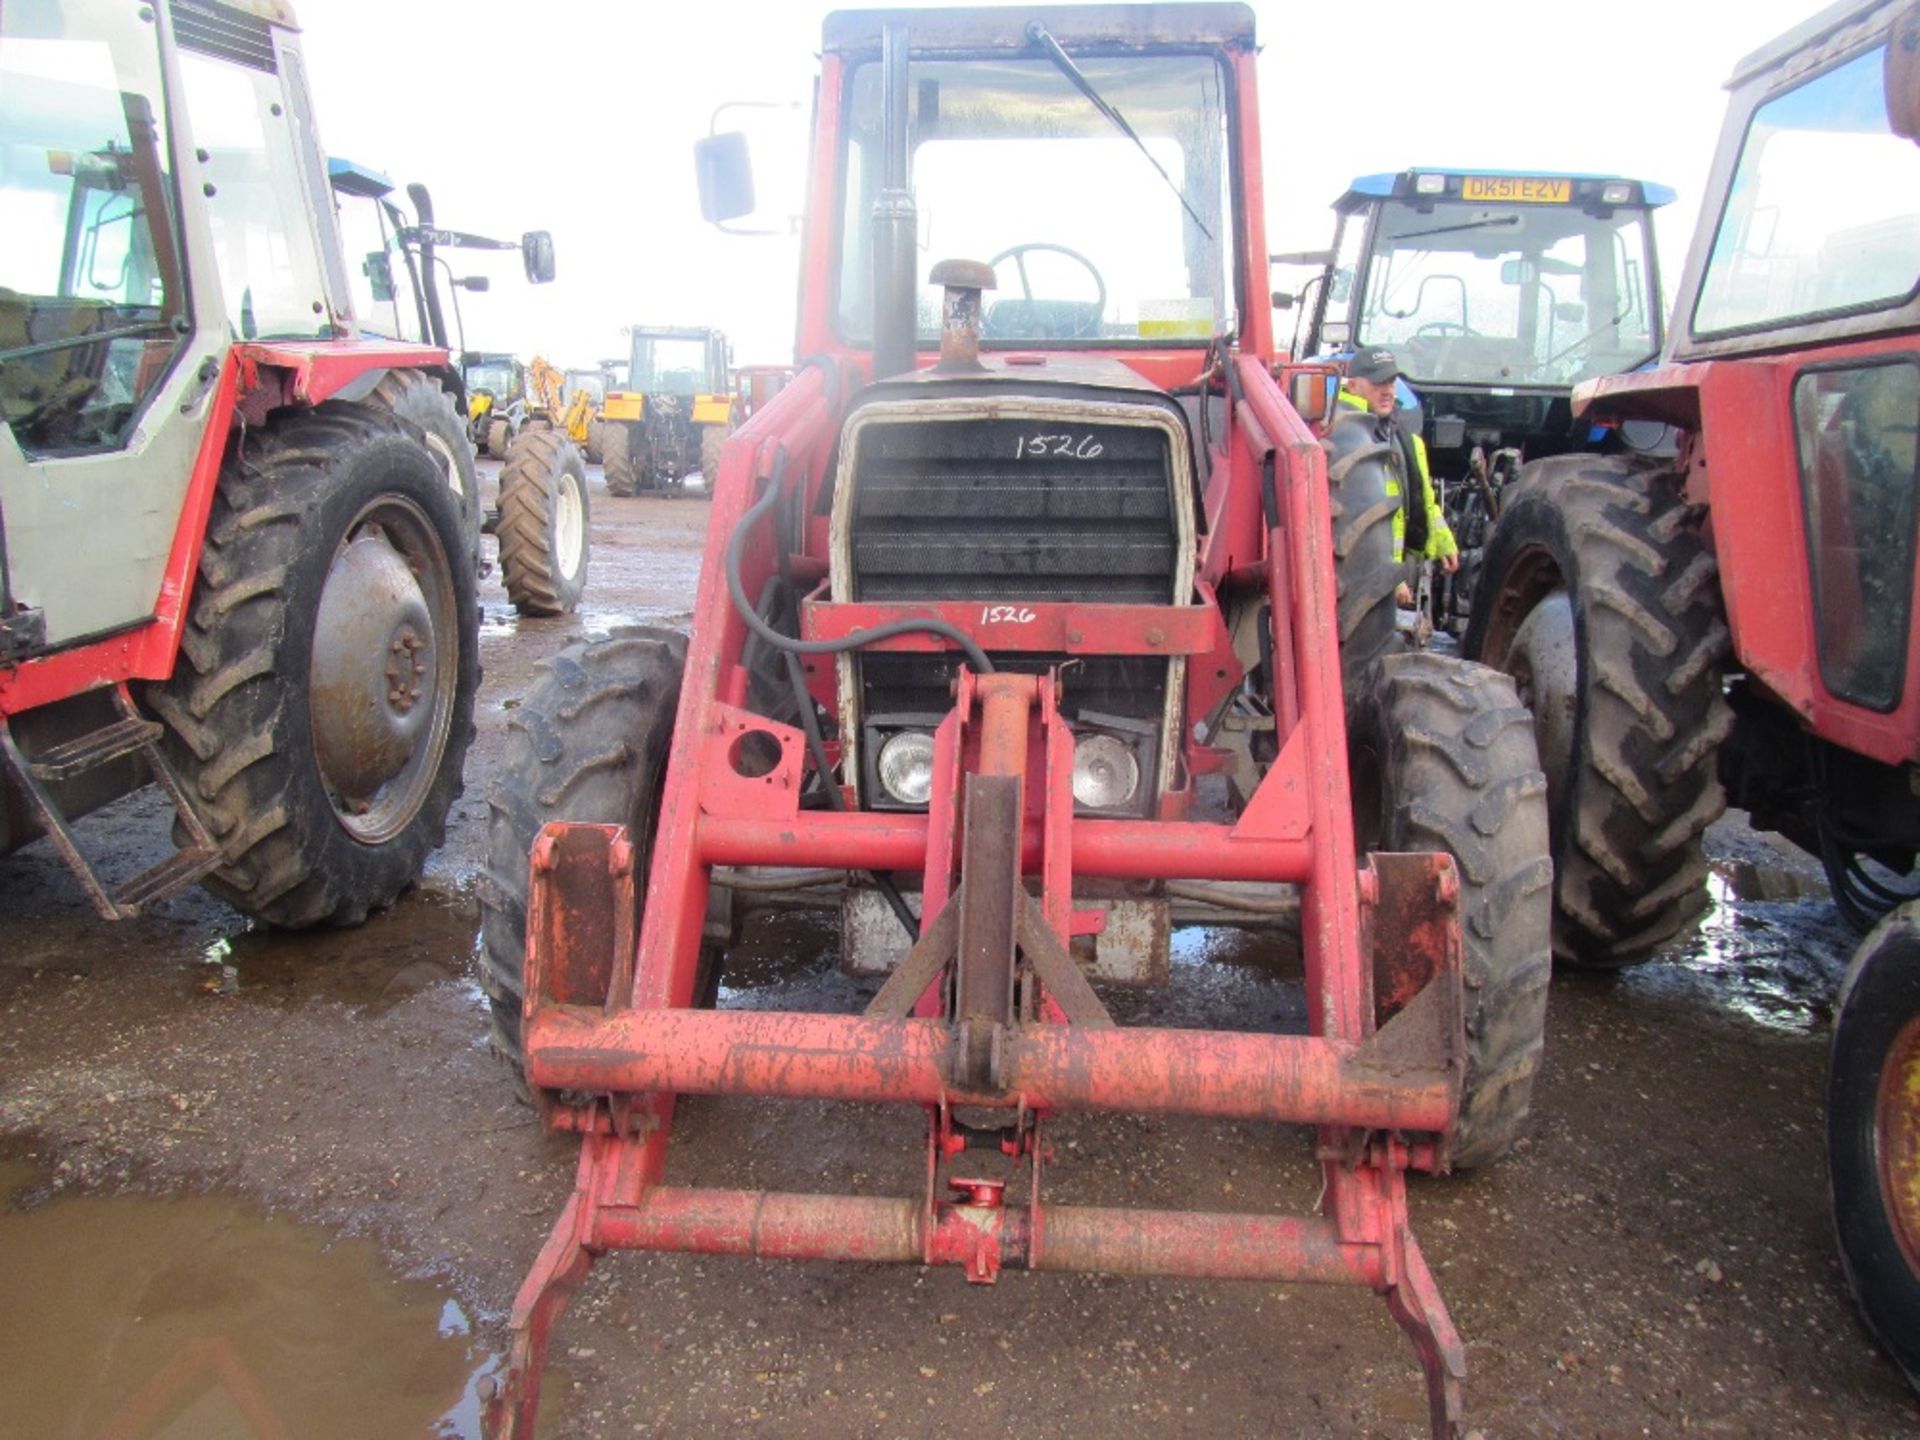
<point>1072,447</point>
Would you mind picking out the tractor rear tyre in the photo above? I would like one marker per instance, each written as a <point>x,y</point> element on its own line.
<point>621,450</point>
<point>713,439</point>
<point>588,744</point>
<point>1601,600</point>
<point>322,703</point>
<point>1365,574</point>
<point>543,529</point>
<point>499,437</point>
<point>415,395</point>
<point>1443,758</point>
<point>1873,1133</point>
<point>595,447</point>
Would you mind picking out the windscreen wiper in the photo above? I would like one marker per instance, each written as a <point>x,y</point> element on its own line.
<point>118,332</point>
<point>1499,221</point>
<point>1037,33</point>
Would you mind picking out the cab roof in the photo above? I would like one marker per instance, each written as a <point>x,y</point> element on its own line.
<point>1389,184</point>
<point>1119,27</point>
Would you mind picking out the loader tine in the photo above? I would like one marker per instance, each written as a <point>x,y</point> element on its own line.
<point>513,1407</point>
<point>1416,1304</point>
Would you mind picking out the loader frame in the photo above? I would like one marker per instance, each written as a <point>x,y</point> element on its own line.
<point>987,1012</point>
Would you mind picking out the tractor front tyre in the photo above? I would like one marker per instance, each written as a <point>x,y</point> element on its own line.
<point>416,395</point>
<point>589,744</point>
<point>1873,1133</point>
<point>1365,573</point>
<point>543,529</point>
<point>713,439</point>
<point>1600,598</point>
<point>595,446</point>
<point>322,702</point>
<point>621,450</point>
<point>1443,758</point>
<point>499,437</point>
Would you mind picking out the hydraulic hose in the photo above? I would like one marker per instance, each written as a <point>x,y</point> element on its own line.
<point>736,547</point>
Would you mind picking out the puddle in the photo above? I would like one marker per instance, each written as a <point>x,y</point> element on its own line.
<point>131,1318</point>
<point>1223,979</point>
<point>1768,954</point>
<point>422,941</point>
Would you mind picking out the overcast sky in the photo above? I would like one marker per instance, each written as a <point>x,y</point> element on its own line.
<point>580,118</point>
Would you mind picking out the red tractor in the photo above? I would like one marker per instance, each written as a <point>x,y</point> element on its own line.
<point>1736,623</point>
<point>1033,611</point>
<point>236,541</point>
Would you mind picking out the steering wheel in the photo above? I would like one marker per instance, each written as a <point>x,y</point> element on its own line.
<point>1018,254</point>
<point>1440,329</point>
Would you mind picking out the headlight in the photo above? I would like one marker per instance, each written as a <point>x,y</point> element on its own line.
<point>906,767</point>
<point>1105,773</point>
<point>1617,193</point>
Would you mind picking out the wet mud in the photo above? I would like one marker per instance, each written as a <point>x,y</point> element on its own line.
<point>196,1318</point>
<point>246,1135</point>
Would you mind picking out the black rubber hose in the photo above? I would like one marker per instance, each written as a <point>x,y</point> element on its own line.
<point>736,546</point>
<point>817,747</point>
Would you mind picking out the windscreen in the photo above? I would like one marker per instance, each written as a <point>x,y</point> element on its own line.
<point>1823,216</point>
<point>1012,165</point>
<point>669,365</point>
<point>493,376</point>
<point>1540,295</point>
<point>92,296</point>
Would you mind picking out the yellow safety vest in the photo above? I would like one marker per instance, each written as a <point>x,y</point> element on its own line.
<point>1440,541</point>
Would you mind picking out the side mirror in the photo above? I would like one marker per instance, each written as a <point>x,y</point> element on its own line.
<point>1571,312</point>
<point>1282,300</point>
<point>536,253</point>
<point>1340,287</point>
<point>479,284</point>
<point>379,272</point>
<point>1518,272</point>
<point>1311,394</point>
<point>1902,78</point>
<point>724,170</point>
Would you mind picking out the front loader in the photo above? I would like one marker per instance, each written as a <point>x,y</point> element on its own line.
<point>1021,628</point>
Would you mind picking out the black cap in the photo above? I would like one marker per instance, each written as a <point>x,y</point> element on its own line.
<point>1375,363</point>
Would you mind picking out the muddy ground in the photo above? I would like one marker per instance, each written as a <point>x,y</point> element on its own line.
<point>364,1191</point>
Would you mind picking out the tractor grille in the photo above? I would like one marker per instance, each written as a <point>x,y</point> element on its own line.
<point>1013,510</point>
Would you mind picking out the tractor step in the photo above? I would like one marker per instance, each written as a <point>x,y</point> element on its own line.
<point>131,734</point>
<point>157,882</point>
<point>95,748</point>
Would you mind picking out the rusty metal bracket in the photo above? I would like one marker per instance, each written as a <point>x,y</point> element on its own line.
<point>919,968</point>
<point>1057,971</point>
<point>580,930</point>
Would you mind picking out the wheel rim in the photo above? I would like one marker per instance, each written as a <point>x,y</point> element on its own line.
<point>1544,660</point>
<point>569,524</point>
<point>384,669</point>
<point>1897,1139</point>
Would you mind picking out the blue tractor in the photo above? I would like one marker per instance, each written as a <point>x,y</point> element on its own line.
<point>1499,291</point>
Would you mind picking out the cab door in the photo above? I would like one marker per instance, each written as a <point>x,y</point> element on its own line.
<point>109,349</point>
